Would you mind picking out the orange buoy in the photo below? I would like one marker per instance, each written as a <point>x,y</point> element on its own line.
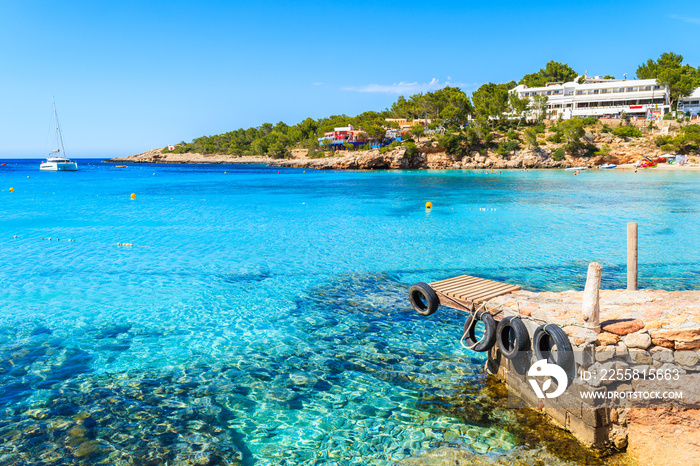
<point>428,205</point>
<point>133,195</point>
<point>12,190</point>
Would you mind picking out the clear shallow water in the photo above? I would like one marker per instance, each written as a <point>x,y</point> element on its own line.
<point>262,317</point>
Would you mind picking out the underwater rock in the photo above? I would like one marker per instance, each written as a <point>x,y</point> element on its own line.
<point>357,379</point>
<point>91,448</point>
<point>112,331</point>
<point>126,424</point>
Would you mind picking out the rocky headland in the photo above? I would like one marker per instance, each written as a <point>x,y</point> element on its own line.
<point>429,155</point>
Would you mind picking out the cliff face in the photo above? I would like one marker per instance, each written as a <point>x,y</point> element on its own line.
<point>398,159</point>
<point>361,160</point>
<point>427,156</point>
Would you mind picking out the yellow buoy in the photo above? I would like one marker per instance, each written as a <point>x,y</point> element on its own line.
<point>428,205</point>
<point>12,190</point>
<point>133,195</point>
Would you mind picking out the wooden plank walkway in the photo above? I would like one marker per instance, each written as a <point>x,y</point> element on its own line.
<point>465,291</point>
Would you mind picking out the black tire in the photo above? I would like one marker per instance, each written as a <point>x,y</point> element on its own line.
<point>546,338</point>
<point>423,299</point>
<point>489,337</point>
<point>512,337</point>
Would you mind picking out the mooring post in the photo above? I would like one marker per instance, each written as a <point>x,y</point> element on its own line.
<point>591,297</point>
<point>632,256</point>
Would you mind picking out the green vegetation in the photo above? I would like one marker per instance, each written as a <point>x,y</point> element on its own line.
<point>558,154</point>
<point>315,153</point>
<point>411,148</point>
<point>513,135</point>
<point>572,132</point>
<point>389,147</point>
<point>539,104</point>
<point>552,72</point>
<point>669,70</point>
<point>604,151</point>
<point>491,101</point>
<point>278,140</point>
<point>464,124</point>
<point>517,105</point>
<point>463,143</point>
<point>625,132</point>
<point>449,105</point>
<point>531,137</point>
<point>556,137</point>
<point>418,131</point>
<point>484,133</point>
<point>507,147</point>
<point>688,142</point>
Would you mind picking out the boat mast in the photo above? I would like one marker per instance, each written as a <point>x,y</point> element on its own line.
<point>59,136</point>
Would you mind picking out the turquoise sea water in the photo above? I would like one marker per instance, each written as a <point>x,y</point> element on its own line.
<point>261,315</point>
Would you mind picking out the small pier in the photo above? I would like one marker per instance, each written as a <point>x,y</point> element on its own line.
<point>465,292</point>
<point>595,362</point>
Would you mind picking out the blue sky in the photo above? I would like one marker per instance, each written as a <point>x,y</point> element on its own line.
<point>130,76</point>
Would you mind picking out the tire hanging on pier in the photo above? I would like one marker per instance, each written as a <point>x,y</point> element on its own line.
<point>487,341</point>
<point>512,337</point>
<point>549,337</point>
<point>423,299</point>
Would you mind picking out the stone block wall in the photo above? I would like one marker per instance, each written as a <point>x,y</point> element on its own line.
<point>618,363</point>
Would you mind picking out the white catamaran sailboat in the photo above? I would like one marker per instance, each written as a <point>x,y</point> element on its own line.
<point>56,162</point>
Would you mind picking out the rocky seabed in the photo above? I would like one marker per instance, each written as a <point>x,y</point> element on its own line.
<point>359,395</point>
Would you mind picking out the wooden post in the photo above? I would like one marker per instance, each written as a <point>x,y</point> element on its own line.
<point>591,296</point>
<point>632,256</point>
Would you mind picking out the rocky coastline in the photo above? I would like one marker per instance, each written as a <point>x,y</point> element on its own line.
<point>428,155</point>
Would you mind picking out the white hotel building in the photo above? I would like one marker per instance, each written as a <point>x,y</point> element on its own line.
<point>690,103</point>
<point>602,98</point>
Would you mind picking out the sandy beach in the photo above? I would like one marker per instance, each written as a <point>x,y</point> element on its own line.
<point>661,166</point>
